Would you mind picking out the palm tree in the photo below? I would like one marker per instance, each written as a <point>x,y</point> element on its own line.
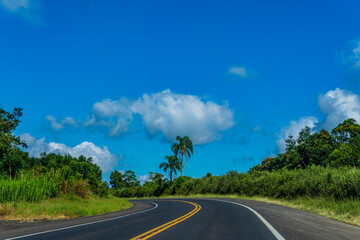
<point>171,166</point>
<point>183,148</point>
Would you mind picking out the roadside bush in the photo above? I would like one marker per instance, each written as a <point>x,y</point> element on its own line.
<point>315,181</point>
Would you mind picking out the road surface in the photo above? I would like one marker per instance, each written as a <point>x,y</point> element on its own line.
<point>185,219</point>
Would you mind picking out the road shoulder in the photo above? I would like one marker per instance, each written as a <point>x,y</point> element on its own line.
<point>301,225</point>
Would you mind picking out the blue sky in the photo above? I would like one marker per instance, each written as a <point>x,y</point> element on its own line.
<point>118,80</point>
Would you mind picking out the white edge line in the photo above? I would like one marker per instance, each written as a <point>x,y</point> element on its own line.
<point>267,224</point>
<point>83,224</point>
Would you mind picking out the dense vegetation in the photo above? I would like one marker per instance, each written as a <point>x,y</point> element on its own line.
<point>315,181</point>
<point>25,178</point>
<point>338,149</point>
<point>315,164</point>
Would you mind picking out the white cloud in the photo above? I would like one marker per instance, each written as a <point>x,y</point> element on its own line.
<point>356,54</point>
<point>257,129</point>
<point>100,155</point>
<point>53,123</point>
<point>351,56</point>
<point>166,112</point>
<point>239,71</point>
<point>144,178</point>
<point>339,105</point>
<point>30,140</point>
<point>69,121</point>
<point>15,5</point>
<point>294,128</point>
<point>57,126</point>
<point>178,114</point>
<point>115,115</point>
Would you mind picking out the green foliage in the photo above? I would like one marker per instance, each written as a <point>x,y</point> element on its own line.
<point>130,179</point>
<point>63,207</point>
<point>34,179</point>
<point>24,178</point>
<point>9,143</point>
<point>8,123</point>
<point>338,149</point>
<point>28,189</point>
<point>183,148</point>
<point>171,166</point>
<point>116,180</point>
<point>315,181</point>
<point>120,181</point>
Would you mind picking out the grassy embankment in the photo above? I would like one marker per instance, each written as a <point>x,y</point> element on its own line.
<point>48,197</point>
<point>62,208</point>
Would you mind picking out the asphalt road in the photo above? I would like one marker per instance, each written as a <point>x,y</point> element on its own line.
<point>194,219</point>
<point>191,219</point>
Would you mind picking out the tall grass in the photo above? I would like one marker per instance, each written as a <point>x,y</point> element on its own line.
<point>33,188</point>
<point>28,189</point>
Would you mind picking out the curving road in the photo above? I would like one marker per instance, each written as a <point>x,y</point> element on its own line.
<point>172,219</point>
<point>189,219</point>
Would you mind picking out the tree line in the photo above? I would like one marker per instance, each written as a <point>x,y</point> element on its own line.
<point>338,149</point>
<point>314,164</point>
<point>16,164</point>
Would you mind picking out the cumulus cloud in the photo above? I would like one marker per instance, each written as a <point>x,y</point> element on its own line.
<point>59,125</point>
<point>356,54</point>
<point>15,5</point>
<point>53,123</point>
<point>339,105</point>
<point>166,112</point>
<point>239,71</point>
<point>100,155</point>
<point>178,114</point>
<point>29,10</point>
<point>293,129</point>
<point>69,121</point>
<point>115,115</point>
<point>351,56</point>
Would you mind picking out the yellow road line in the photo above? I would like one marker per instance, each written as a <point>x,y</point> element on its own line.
<point>154,231</point>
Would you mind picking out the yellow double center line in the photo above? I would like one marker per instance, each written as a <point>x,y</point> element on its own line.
<point>165,226</point>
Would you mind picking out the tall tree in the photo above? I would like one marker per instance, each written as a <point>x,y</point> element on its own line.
<point>347,131</point>
<point>156,177</point>
<point>171,166</point>
<point>116,180</point>
<point>8,123</point>
<point>130,179</point>
<point>183,148</point>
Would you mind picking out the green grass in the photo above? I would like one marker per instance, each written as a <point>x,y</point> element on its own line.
<point>28,189</point>
<point>347,211</point>
<point>62,208</point>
